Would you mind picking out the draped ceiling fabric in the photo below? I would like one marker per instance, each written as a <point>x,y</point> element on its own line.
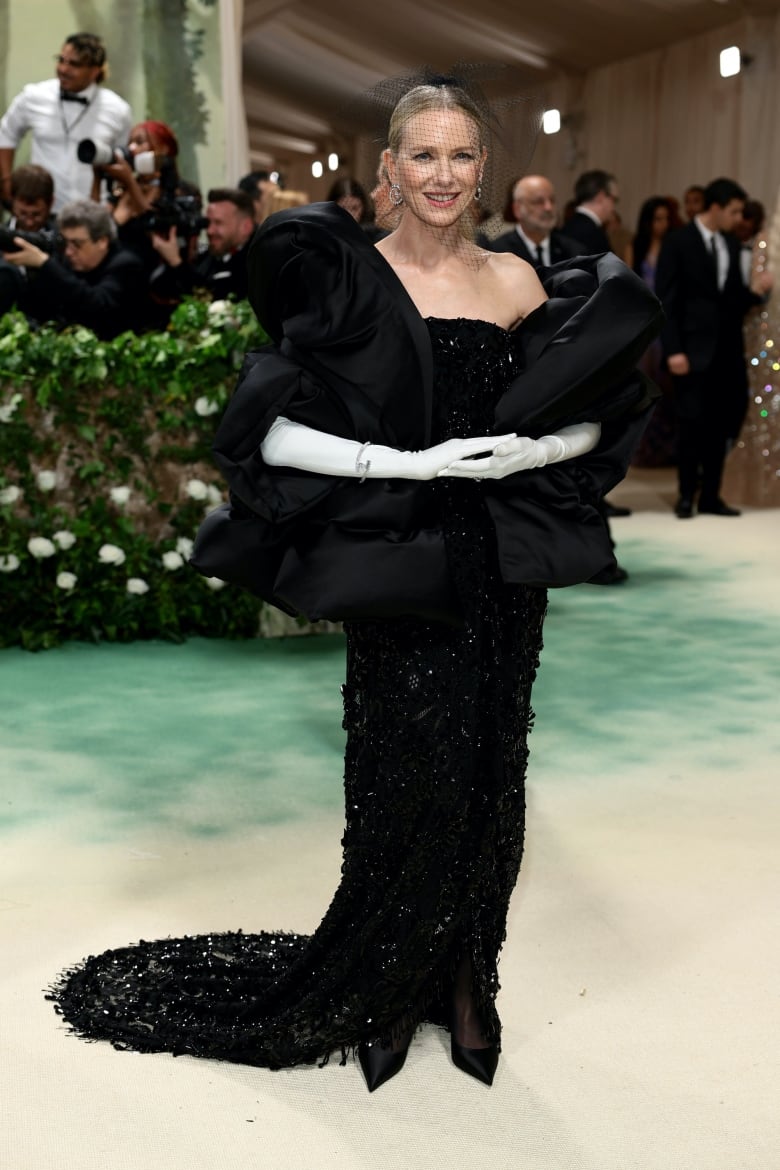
<point>636,80</point>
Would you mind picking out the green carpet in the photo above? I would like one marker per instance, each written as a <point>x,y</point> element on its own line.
<point>211,736</point>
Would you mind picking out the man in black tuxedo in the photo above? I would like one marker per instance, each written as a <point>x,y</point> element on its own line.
<point>699,281</point>
<point>596,196</point>
<point>534,237</point>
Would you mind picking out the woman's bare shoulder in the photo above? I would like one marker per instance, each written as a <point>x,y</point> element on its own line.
<point>518,280</point>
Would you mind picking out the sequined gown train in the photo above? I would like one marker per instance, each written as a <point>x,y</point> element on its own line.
<point>436,719</point>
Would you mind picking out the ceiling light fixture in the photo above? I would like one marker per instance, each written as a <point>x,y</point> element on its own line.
<point>730,61</point>
<point>551,121</point>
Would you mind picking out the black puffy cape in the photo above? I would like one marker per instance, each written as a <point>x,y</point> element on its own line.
<point>351,356</point>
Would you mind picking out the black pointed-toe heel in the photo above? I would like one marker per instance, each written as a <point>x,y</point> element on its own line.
<point>380,1064</point>
<point>480,1063</point>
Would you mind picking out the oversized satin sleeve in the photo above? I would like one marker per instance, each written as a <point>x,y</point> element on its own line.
<point>577,357</point>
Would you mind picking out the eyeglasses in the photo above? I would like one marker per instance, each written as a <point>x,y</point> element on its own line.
<point>70,61</point>
<point>75,242</point>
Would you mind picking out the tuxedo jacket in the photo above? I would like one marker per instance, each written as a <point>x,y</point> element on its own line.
<point>590,238</point>
<point>107,299</point>
<point>351,356</point>
<point>561,248</point>
<point>703,322</point>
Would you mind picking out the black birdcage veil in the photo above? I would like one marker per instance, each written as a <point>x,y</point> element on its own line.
<point>508,123</point>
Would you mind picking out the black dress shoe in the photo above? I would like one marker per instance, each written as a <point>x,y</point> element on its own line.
<point>380,1064</point>
<point>684,508</point>
<point>611,576</point>
<point>615,509</point>
<point>717,508</point>
<point>480,1063</point>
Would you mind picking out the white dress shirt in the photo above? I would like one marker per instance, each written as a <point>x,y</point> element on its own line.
<point>531,245</point>
<point>58,126</point>
<point>721,250</point>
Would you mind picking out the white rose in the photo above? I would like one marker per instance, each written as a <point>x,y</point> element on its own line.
<point>8,411</point>
<point>41,546</point>
<point>110,554</point>
<point>196,489</point>
<point>120,495</point>
<point>9,495</point>
<point>184,546</point>
<point>172,560</point>
<point>46,480</point>
<point>204,406</point>
<point>214,494</point>
<point>9,563</point>
<point>137,585</point>
<point>218,308</point>
<point>215,583</point>
<point>66,580</point>
<point>64,539</point>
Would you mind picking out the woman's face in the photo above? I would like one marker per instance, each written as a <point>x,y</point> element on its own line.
<point>438,165</point>
<point>139,140</point>
<point>660,221</point>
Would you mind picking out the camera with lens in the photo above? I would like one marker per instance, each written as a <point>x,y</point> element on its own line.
<point>47,241</point>
<point>99,154</point>
<point>172,210</point>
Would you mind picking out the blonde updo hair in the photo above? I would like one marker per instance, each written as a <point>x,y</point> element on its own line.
<point>425,98</point>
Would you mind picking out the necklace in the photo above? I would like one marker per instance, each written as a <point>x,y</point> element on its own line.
<point>66,129</point>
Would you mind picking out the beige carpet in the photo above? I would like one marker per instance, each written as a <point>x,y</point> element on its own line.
<point>640,976</point>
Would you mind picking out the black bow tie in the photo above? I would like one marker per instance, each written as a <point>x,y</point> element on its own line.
<point>73,97</point>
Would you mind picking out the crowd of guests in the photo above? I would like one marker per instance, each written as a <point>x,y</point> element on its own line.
<point>102,229</point>
<point>105,232</point>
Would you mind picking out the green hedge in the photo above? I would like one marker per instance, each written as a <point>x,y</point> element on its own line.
<point>105,474</point>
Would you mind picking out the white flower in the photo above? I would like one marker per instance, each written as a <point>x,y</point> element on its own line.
<point>184,546</point>
<point>64,539</point>
<point>110,554</point>
<point>137,585</point>
<point>204,406</point>
<point>214,494</point>
<point>66,580</point>
<point>41,546</point>
<point>172,560</point>
<point>9,495</point>
<point>120,495</point>
<point>46,480</point>
<point>8,411</point>
<point>196,489</point>
<point>219,311</point>
<point>215,583</point>
<point>9,563</point>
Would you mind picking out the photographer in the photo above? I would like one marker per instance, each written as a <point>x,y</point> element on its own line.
<point>58,113</point>
<point>147,194</point>
<point>221,270</point>
<point>32,194</point>
<point>94,283</point>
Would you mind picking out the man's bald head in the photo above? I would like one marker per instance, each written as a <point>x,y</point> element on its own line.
<point>534,206</point>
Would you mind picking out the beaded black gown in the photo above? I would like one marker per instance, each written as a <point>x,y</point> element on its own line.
<point>437,718</point>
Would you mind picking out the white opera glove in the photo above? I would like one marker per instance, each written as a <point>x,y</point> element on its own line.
<point>524,454</point>
<point>291,444</point>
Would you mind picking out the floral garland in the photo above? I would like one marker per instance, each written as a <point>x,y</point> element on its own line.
<point>105,475</point>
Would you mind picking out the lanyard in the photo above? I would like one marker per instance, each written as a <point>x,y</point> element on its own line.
<point>66,129</point>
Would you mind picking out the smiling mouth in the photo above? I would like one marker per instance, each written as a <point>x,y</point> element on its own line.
<point>441,200</point>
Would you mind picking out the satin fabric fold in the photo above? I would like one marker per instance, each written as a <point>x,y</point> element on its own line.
<point>352,356</point>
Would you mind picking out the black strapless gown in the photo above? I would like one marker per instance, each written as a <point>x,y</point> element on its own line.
<point>437,719</point>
